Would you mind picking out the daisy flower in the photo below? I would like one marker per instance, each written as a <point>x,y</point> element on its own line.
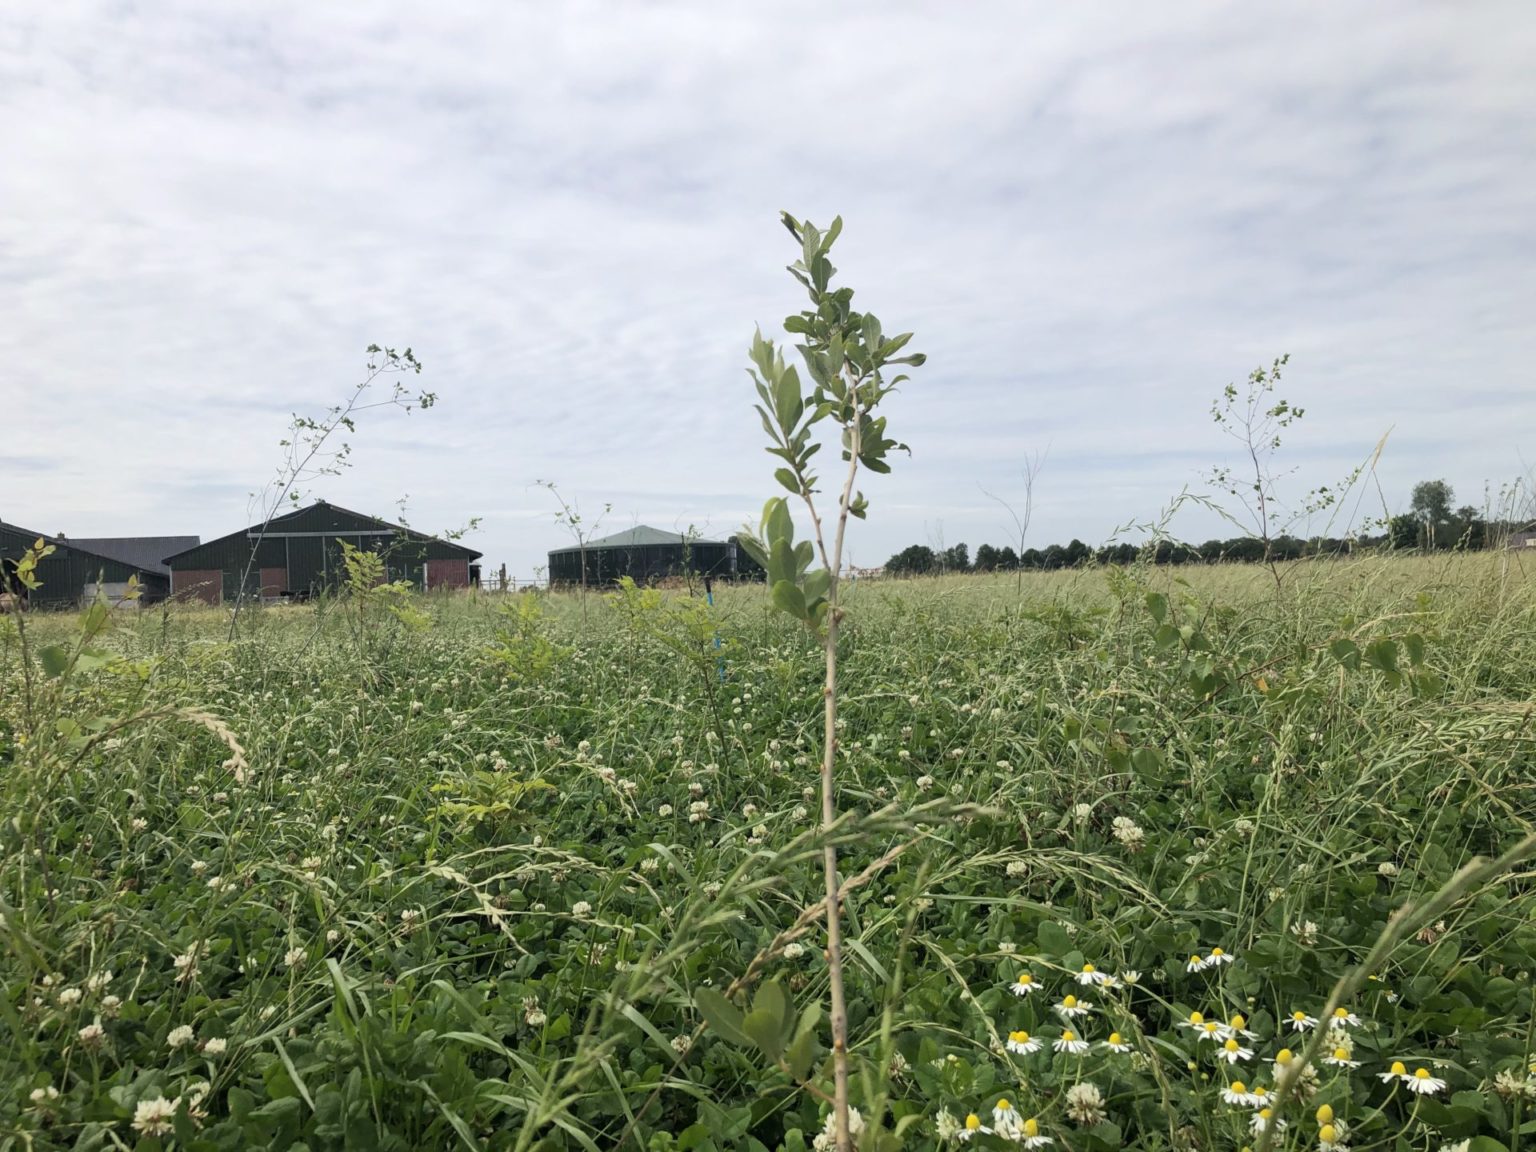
<point>1343,1018</point>
<point>1423,1083</point>
<point>1031,1135</point>
<point>1193,1022</point>
<point>972,1128</point>
<point>1238,1026</point>
<point>1232,1052</point>
<point>1070,1042</point>
<point>1071,1007</point>
<point>1091,975</point>
<point>1300,1022</point>
<point>1022,1043</point>
<point>1212,1030</point>
<point>1130,976</point>
<point>1339,1058</point>
<point>1116,1043</point>
<point>1006,1122</point>
<point>1024,985</point>
<point>1237,1093</point>
<point>1259,1097</point>
<point>1398,1071</point>
<point>1195,965</point>
<point>1328,1138</point>
<point>1263,1118</point>
<point>1217,958</point>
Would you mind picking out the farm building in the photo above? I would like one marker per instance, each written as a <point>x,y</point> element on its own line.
<point>299,554</point>
<point>646,555</point>
<point>79,570</point>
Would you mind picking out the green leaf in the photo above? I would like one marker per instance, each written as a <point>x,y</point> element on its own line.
<point>1346,652</point>
<point>787,478</point>
<point>778,524</point>
<point>54,659</point>
<point>787,402</point>
<point>787,597</point>
<point>763,1027</point>
<point>1157,606</point>
<point>723,1017</point>
<point>801,1054</point>
<point>816,584</point>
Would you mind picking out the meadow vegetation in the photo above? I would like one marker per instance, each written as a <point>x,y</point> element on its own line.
<point>480,871</point>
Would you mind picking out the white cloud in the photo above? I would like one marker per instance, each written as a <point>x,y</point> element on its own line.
<point>1093,219</point>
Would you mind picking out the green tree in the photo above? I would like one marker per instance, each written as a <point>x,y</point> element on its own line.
<point>1431,506</point>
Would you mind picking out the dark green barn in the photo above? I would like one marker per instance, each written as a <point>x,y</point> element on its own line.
<point>73,573</point>
<point>646,555</point>
<point>299,554</point>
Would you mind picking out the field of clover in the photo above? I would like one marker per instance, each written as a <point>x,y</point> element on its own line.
<point>515,872</point>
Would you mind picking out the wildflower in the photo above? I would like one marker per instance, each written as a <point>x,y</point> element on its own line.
<point>68,997</point>
<point>295,958</point>
<point>1305,932</point>
<point>533,1015</point>
<point>185,966</point>
<point>1324,1114</point>
<point>1085,1104</point>
<point>1232,1052</point>
<point>154,1117</point>
<point>1030,1135</point>
<point>1237,1093</point>
<point>1238,1026</point>
<point>794,950</point>
<point>1022,1043</point>
<point>1081,812</point>
<point>1217,958</point>
<point>1263,1118</point>
<point>1071,1007</point>
<point>924,783</point>
<point>1328,1138</point>
<point>1007,947</point>
<point>972,1128</point>
<point>44,1095</point>
<point>1339,1058</point>
<point>92,1035</point>
<point>1398,1071</point>
<point>1070,1042</point>
<point>681,1043</point>
<point>139,824</point>
<point>1130,976</point>
<point>1023,985</point>
<point>945,1126</point>
<point>581,908</point>
<point>215,1046</point>
<point>1116,1043</point>
<point>664,811</point>
<point>1301,1022</point>
<point>1422,1083</point>
<point>99,980</point>
<point>827,1137</point>
<point>1212,1030</point>
<point>1194,1022</point>
<point>1091,975</point>
<point>179,1037</point>
<point>110,1005</point>
<point>333,936</point>
<point>1343,1018</point>
<point>1006,1122</point>
<point>1017,868</point>
<point>1388,869</point>
<point>1195,964</point>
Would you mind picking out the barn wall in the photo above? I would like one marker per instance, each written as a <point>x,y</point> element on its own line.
<point>206,584</point>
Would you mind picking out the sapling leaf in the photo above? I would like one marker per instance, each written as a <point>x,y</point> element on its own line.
<point>787,597</point>
<point>721,1015</point>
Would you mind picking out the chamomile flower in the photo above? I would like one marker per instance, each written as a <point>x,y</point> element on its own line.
<point>1213,1030</point>
<point>1071,1007</point>
<point>1031,1137</point>
<point>1091,975</point>
<point>1070,1042</point>
<point>1237,1094</point>
<point>972,1128</point>
<point>1339,1058</point>
<point>1116,1043</point>
<point>1343,1018</point>
<point>1301,1022</point>
<point>1263,1119</point>
<point>1231,1051</point>
<point>1196,964</point>
<point>1217,958</point>
<point>1328,1139</point>
<point>1006,1122</point>
<point>1398,1071</point>
<point>1023,984</point>
<point>1238,1026</point>
<point>1422,1083</point>
<point>1195,1021</point>
<point>1259,1096</point>
<point>1022,1043</point>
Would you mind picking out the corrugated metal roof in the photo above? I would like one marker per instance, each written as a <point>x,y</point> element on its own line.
<point>146,552</point>
<point>641,536</point>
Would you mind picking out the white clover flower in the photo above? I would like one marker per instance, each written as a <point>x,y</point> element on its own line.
<point>110,1005</point>
<point>1305,932</point>
<point>581,908</point>
<point>681,1043</point>
<point>1130,977</point>
<point>946,1127</point>
<point>800,812</point>
<point>70,996</point>
<point>1017,868</point>
<point>1388,869</point>
<point>138,824</point>
<point>45,1095</point>
<point>1007,947</point>
<point>827,1137</point>
<point>99,980</point>
<point>333,936</point>
<point>295,958</point>
<point>179,1037</point>
<point>93,1035</point>
<point>794,950</point>
<point>1085,1104</point>
<point>1082,812</point>
<point>664,811</point>
<point>215,1046</point>
<point>1022,1043</point>
<point>1243,826</point>
<point>155,1117</point>
<point>923,784</point>
<point>185,965</point>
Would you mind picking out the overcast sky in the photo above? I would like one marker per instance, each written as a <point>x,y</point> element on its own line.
<point>1093,217</point>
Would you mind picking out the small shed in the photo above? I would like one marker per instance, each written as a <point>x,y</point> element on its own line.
<point>647,554</point>
<point>299,554</point>
<point>77,571</point>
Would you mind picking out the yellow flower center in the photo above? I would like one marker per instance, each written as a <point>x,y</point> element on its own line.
<point>1284,1056</point>
<point>1325,1114</point>
<point>1266,1113</point>
<point>1260,1091</point>
<point>1341,1053</point>
<point>1114,1038</point>
<point>973,1122</point>
<point>1399,1068</point>
<point>1327,1133</point>
<point>1004,1106</point>
<point>1237,1086</point>
<point>1069,1002</point>
<point>1211,1026</point>
<point>1194,960</point>
<point>1239,1022</point>
<point>1068,1036</point>
<point>1231,1045</point>
<point>1217,953</point>
<point>1019,1037</point>
<point>1341,1013</point>
<point>1031,1128</point>
<point>1298,1016</point>
<point>1421,1073</point>
<point>1088,969</point>
<point>1196,1018</point>
<point>1026,978</point>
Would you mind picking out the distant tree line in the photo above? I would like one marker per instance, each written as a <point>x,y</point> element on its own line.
<point>1431,524</point>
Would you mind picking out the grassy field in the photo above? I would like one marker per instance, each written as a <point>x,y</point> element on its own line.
<point>464,880</point>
